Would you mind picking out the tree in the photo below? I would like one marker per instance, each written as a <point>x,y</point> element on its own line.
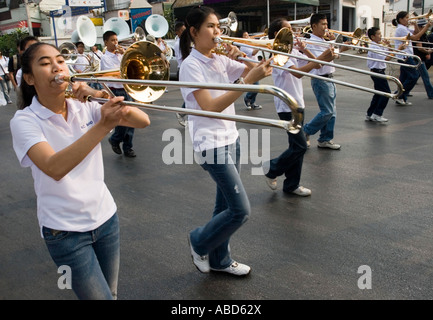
<point>9,41</point>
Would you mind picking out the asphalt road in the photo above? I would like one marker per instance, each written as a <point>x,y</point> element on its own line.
<point>365,233</point>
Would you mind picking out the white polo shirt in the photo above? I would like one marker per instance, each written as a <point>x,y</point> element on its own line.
<point>177,52</point>
<point>317,50</point>
<point>403,31</point>
<point>371,64</point>
<point>80,63</point>
<point>80,201</point>
<point>288,82</point>
<point>209,133</point>
<point>110,61</point>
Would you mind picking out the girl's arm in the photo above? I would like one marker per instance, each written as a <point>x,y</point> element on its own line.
<point>58,164</point>
<point>218,104</point>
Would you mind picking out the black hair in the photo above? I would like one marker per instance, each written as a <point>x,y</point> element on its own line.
<point>24,42</point>
<point>275,26</point>
<point>195,18</point>
<point>178,25</point>
<point>79,43</point>
<point>399,16</point>
<point>372,31</point>
<point>315,18</point>
<point>28,91</point>
<point>108,34</point>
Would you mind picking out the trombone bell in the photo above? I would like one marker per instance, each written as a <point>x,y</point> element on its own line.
<point>143,61</point>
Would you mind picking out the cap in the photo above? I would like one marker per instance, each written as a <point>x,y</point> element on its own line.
<point>422,22</point>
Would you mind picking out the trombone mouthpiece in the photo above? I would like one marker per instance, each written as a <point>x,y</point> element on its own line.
<point>217,40</point>
<point>60,78</point>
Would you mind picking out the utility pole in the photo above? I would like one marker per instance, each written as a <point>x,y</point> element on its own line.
<point>29,21</point>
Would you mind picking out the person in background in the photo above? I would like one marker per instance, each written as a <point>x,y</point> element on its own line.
<point>378,102</point>
<point>325,91</point>
<point>408,76</point>
<point>4,77</point>
<point>111,60</point>
<point>423,51</point>
<point>289,163</point>
<point>179,27</point>
<point>81,62</point>
<point>59,139</point>
<point>250,97</point>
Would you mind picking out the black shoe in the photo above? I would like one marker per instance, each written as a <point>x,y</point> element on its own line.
<point>130,153</point>
<point>115,147</point>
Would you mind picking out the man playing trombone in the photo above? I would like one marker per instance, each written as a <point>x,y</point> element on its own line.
<point>111,60</point>
<point>325,91</point>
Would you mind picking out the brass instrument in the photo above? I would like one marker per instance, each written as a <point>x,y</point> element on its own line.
<point>229,24</point>
<point>282,46</point>
<point>144,76</point>
<point>425,15</point>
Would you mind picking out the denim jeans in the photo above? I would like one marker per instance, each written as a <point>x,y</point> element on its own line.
<point>325,92</point>
<point>290,161</point>
<point>251,96</point>
<point>426,80</point>
<point>121,133</point>
<point>232,207</point>
<point>378,102</point>
<point>408,77</point>
<point>5,88</point>
<point>93,257</point>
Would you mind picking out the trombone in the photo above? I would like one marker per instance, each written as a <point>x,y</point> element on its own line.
<point>144,76</point>
<point>282,46</point>
<point>338,42</point>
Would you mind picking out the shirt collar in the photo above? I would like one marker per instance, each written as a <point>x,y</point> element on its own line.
<point>44,113</point>
<point>196,54</point>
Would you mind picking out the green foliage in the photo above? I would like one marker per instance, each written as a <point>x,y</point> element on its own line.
<point>169,16</point>
<point>8,42</point>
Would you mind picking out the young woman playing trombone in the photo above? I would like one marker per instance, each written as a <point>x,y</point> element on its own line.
<point>215,141</point>
<point>59,139</point>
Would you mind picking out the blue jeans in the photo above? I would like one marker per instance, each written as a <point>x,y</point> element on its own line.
<point>5,88</point>
<point>426,80</point>
<point>408,77</point>
<point>92,256</point>
<point>121,133</point>
<point>232,207</point>
<point>325,92</point>
<point>378,102</point>
<point>251,96</point>
<point>290,161</point>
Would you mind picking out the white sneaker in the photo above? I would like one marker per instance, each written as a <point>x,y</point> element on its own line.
<point>403,103</point>
<point>328,144</point>
<point>375,117</point>
<point>247,105</point>
<point>236,268</point>
<point>307,138</point>
<point>301,191</point>
<point>368,118</point>
<point>201,262</point>
<point>272,183</point>
<point>256,106</point>
<point>181,118</point>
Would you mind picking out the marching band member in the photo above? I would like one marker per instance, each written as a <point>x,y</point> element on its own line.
<point>290,161</point>
<point>325,91</point>
<point>408,76</point>
<point>59,139</point>
<point>80,63</point>
<point>378,102</point>
<point>216,141</point>
<point>111,60</point>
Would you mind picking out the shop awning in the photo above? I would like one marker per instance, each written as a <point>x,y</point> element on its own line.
<point>308,2</point>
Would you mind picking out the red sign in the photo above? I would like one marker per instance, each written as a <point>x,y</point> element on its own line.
<point>18,25</point>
